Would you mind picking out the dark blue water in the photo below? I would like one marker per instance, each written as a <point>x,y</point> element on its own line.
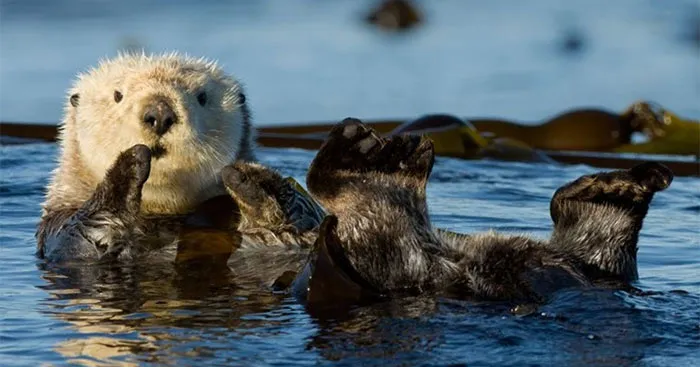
<point>164,315</point>
<point>309,60</point>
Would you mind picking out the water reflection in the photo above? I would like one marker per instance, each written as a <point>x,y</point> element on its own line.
<point>200,312</point>
<point>193,311</point>
<point>161,313</point>
<point>390,330</point>
<point>124,314</point>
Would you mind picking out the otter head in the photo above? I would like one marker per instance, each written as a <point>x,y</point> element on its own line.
<point>190,114</point>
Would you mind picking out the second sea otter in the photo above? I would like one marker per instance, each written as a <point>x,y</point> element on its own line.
<point>379,241</point>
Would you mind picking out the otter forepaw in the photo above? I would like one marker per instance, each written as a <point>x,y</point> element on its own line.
<point>251,184</point>
<point>121,188</point>
<point>267,200</point>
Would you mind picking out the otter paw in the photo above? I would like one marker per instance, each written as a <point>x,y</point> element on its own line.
<point>136,162</point>
<point>353,146</point>
<point>631,190</point>
<point>410,155</point>
<point>262,195</point>
<point>652,176</point>
<point>121,188</point>
<point>266,200</point>
<point>350,145</point>
<point>251,184</point>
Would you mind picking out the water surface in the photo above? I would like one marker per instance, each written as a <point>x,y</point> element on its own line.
<point>309,60</point>
<point>184,316</point>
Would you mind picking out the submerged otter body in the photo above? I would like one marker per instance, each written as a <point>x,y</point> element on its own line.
<point>143,144</point>
<point>378,240</point>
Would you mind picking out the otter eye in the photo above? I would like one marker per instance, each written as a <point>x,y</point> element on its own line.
<point>202,98</point>
<point>75,100</point>
<point>241,98</point>
<point>118,96</point>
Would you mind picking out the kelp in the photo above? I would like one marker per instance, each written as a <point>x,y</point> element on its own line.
<point>582,135</point>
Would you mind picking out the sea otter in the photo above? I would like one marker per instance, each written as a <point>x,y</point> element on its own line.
<point>143,144</point>
<point>153,146</point>
<point>379,241</point>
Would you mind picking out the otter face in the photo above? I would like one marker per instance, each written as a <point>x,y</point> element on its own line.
<point>190,114</point>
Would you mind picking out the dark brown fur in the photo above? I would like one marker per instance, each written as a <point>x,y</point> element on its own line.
<point>380,234</point>
<point>598,217</point>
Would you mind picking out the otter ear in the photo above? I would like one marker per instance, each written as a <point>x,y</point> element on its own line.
<point>652,175</point>
<point>75,100</point>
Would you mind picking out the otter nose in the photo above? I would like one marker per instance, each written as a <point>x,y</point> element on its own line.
<point>159,116</point>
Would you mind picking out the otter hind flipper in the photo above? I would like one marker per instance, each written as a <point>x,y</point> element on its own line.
<point>354,148</point>
<point>410,155</point>
<point>329,276</point>
<point>631,190</point>
<point>107,224</point>
<point>337,154</point>
<point>598,217</point>
<point>376,189</point>
<point>652,175</point>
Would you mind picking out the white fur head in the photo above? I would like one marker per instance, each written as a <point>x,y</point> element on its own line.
<point>107,114</point>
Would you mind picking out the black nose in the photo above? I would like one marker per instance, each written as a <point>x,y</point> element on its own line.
<point>159,116</point>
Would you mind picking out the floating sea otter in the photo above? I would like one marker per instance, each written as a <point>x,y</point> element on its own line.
<point>148,150</point>
<point>143,142</point>
<point>378,240</point>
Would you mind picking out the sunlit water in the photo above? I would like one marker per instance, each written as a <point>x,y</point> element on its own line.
<point>185,316</point>
<point>312,60</point>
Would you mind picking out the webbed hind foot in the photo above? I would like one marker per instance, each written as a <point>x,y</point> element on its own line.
<point>597,218</point>
<point>630,190</point>
<point>354,148</point>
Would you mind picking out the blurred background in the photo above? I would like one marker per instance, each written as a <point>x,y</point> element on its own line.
<point>306,61</point>
<point>321,60</point>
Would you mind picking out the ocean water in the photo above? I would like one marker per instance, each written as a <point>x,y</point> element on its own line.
<point>313,61</point>
<point>165,315</point>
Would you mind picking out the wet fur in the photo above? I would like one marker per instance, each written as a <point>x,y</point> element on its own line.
<point>379,230</point>
<point>79,220</point>
<point>375,190</point>
<point>264,215</point>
